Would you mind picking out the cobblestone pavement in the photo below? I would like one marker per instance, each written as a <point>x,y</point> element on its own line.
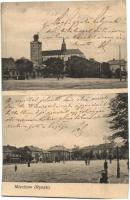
<point>66,83</point>
<point>68,172</point>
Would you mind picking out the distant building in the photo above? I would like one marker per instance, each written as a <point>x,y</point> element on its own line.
<point>25,155</point>
<point>36,153</point>
<point>38,56</point>
<point>11,154</point>
<point>46,156</point>
<point>59,153</point>
<point>36,51</point>
<point>115,64</point>
<point>100,151</point>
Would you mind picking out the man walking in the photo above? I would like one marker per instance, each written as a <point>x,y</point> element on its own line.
<point>15,168</point>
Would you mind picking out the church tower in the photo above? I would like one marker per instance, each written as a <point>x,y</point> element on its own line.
<point>63,46</point>
<point>36,51</point>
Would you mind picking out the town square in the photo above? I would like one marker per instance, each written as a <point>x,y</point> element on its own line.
<point>65,172</point>
<point>52,143</point>
<point>66,83</point>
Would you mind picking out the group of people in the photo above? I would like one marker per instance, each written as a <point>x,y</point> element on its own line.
<point>104,174</point>
<point>15,167</point>
<point>87,161</point>
<point>60,76</point>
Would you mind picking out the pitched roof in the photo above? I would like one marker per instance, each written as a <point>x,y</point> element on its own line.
<point>70,150</point>
<point>106,146</point>
<point>58,148</point>
<point>89,147</point>
<point>59,52</point>
<point>100,146</point>
<point>45,152</point>
<point>33,148</point>
<point>117,62</point>
<point>9,148</point>
<point>21,150</point>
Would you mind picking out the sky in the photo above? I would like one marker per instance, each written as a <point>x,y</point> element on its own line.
<point>45,138</point>
<point>20,21</point>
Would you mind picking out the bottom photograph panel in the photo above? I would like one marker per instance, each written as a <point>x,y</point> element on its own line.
<point>78,138</point>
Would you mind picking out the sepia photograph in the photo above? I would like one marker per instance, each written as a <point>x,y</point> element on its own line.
<point>79,138</point>
<point>64,79</point>
<point>64,45</point>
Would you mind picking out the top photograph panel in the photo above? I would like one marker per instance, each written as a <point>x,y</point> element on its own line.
<point>64,45</point>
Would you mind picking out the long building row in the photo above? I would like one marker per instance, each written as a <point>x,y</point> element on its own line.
<point>12,154</point>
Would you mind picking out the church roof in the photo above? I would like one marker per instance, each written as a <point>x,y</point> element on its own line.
<point>59,52</point>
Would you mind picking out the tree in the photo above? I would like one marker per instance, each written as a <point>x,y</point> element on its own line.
<point>119,117</point>
<point>76,67</point>
<point>76,152</point>
<point>105,70</point>
<point>24,66</point>
<point>79,67</point>
<point>8,64</point>
<point>93,69</point>
<point>54,66</point>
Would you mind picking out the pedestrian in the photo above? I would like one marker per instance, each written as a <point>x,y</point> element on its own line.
<point>58,77</point>
<point>28,164</point>
<point>105,166</point>
<point>15,168</point>
<point>104,177</point>
<point>86,161</point>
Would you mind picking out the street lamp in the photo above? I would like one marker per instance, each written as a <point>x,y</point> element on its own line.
<point>118,144</point>
<point>120,63</point>
<point>118,163</point>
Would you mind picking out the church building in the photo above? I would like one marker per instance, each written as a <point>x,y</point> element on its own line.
<point>38,56</point>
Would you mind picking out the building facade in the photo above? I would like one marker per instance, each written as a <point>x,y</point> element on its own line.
<point>60,153</point>
<point>36,51</point>
<point>46,156</point>
<point>101,151</point>
<point>11,155</point>
<point>117,64</point>
<point>38,56</point>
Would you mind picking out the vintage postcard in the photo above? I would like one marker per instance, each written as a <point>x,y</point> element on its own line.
<point>64,45</point>
<point>65,99</point>
<point>65,140</point>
